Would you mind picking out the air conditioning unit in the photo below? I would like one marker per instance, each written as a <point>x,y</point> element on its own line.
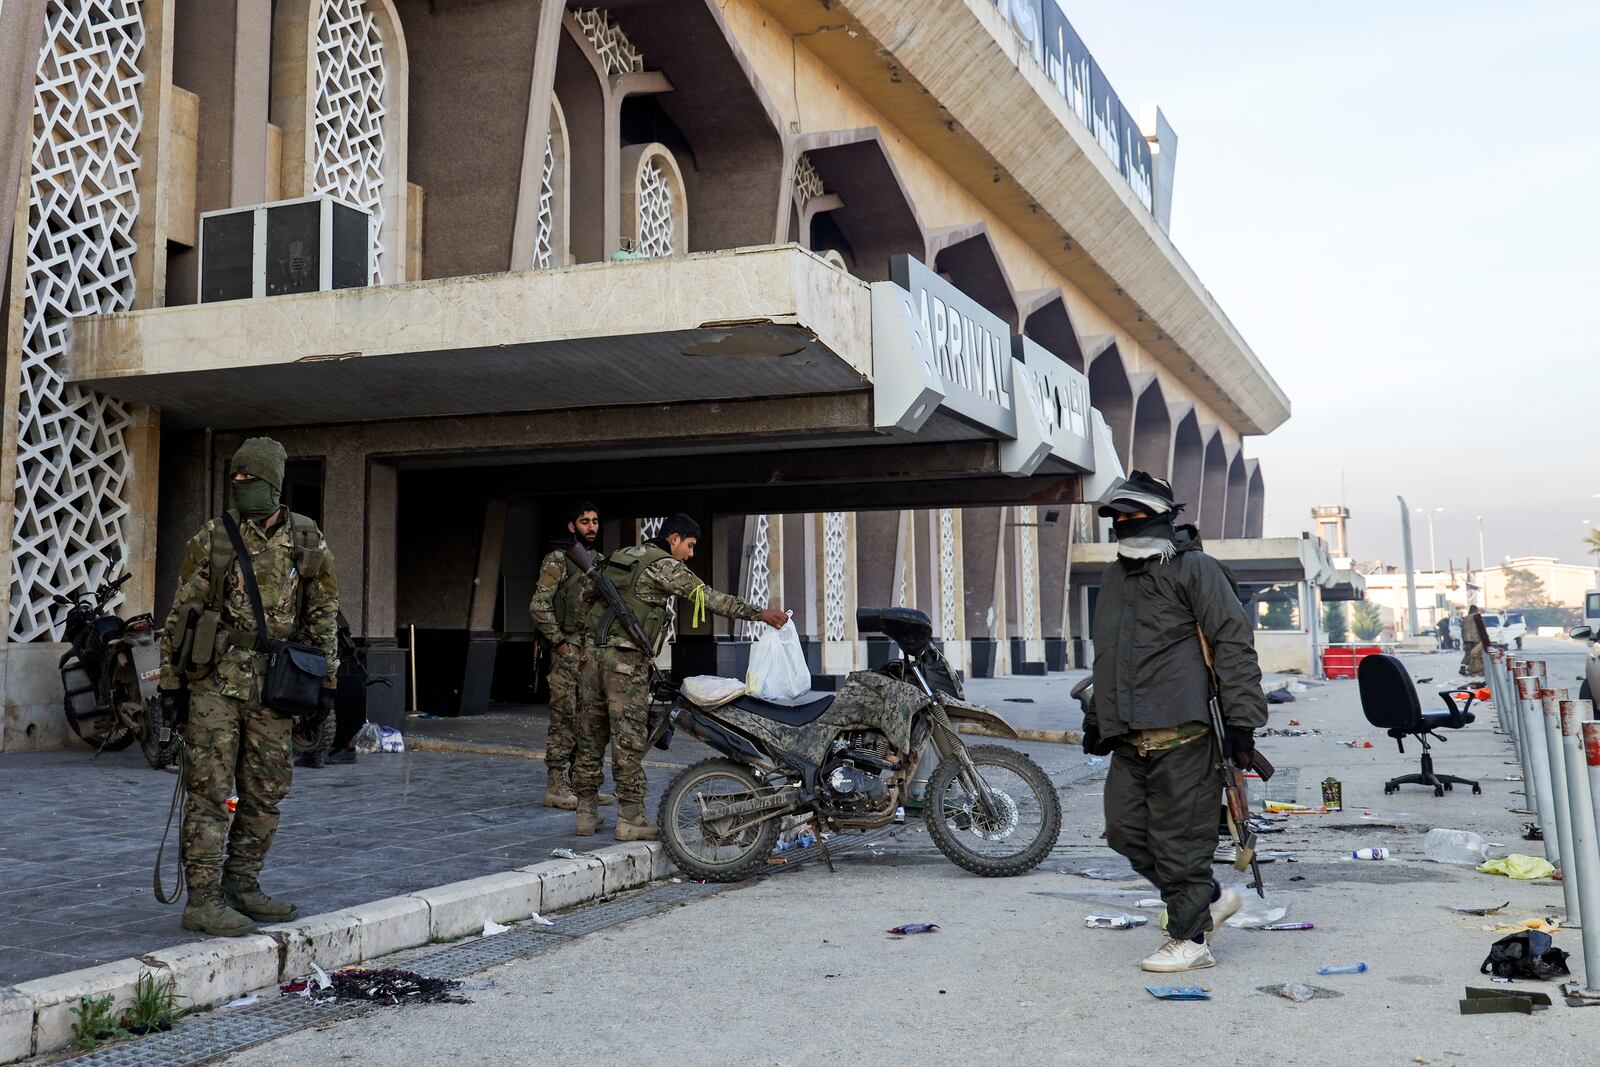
<point>292,246</point>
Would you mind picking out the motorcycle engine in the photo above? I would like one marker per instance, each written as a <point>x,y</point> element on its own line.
<point>847,784</point>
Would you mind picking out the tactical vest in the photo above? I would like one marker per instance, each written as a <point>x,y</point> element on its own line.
<point>571,610</point>
<point>626,570</point>
<point>199,646</point>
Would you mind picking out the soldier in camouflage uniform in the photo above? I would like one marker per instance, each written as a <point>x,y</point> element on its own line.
<point>617,708</point>
<point>234,744</point>
<point>560,615</point>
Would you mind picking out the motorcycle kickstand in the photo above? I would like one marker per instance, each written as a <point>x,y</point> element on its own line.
<point>822,847</point>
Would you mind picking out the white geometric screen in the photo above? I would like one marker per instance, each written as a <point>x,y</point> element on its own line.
<point>807,182</point>
<point>758,585</point>
<point>947,573</point>
<point>543,242</point>
<point>834,559</point>
<point>655,210</point>
<point>72,462</point>
<point>351,105</point>
<point>615,50</point>
<point>1025,570</point>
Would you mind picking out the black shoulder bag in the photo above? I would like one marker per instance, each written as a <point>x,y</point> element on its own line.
<point>293,682</point>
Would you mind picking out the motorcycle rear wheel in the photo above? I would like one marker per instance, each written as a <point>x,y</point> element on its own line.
<point>957,824</point>
<point>156,754</point>
<point>683,835</point>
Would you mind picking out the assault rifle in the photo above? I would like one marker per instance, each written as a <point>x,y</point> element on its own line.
<point>616,608</point>
<point>1238,804</point>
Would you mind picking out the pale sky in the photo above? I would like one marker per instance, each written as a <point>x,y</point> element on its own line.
<point>1395,203</point>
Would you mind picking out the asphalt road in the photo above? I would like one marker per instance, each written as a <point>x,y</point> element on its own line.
<point>797,969</point>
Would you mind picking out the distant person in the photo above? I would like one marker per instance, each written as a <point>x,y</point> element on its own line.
<point>1444,633</point>
<point>1472,642</point>
<point>1161,603</point>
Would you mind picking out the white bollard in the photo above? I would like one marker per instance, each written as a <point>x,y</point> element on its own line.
<point>1528,687</point>
<point>1550,712</point>
<point>1585,865</point>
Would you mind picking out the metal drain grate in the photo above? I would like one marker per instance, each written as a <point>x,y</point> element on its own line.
<point>208,1036</point>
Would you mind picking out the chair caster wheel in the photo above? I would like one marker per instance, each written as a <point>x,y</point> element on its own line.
<point>1477,789</point>
<point>1438,792</point>
<point>1390,789</point>
<point>1448,786</point>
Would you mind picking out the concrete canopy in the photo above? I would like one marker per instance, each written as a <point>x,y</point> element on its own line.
<point>1046,321</point>
<point>1112,393</point>
<point>1256,500</point>
<point>747,323</point>
<point>966,255</point>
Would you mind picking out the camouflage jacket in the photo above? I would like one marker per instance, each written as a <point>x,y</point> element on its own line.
<point>236,669</point>
<point>553,573</point>
<point>667,578</point>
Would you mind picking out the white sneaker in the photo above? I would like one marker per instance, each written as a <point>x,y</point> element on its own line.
<point>1178,956</point>
<point>1222,909</point>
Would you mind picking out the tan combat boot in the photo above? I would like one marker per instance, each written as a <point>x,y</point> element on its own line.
<point>588,817</point>
<point>633,825</point>
<point>208,913</point>
<point>243,894</point>
<point>558,790</point>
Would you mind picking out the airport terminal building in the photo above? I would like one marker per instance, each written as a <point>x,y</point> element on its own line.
<point>878,290</point>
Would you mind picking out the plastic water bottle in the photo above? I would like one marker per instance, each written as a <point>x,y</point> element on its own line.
<point>1370,854</point>
<point>1455,846</point>
<point>1349,968</point>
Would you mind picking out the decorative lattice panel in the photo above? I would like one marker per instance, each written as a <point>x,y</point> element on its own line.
<point>544,254</point>
<point>613,46</point>
<point>807,182</point>
<point>655,210</point>
<point>1025,569</point>
<point>350,112</point>
<point>758,586</point>
<point>649,528</point>
<point>834,560</point>
<point>72,462</point>
<point>947,573</point>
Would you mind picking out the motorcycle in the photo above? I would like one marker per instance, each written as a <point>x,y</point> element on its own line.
<point>109,676</point>
<point>847,761</point>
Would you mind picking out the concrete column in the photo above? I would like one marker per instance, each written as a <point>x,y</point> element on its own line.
<point>21,37</point>
<point>379,588</point>
<point>154,148</point>
<point>344,522</point>
<point>142,438</point>
<point>840,652</point>
<point>980,547</point>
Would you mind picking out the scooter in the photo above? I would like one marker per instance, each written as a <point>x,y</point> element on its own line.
<point>110,674</point>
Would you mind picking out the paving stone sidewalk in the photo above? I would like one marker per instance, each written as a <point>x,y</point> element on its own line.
<point>79,837</point>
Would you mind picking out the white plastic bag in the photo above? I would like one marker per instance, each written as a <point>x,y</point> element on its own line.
<point>778,668</point>
<point>368,738</point>
<point>391,741</point>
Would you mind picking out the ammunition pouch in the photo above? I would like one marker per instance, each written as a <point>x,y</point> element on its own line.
<point>198,643</point>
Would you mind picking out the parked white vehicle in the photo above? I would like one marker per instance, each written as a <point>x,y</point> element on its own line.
<point>1508,629</point>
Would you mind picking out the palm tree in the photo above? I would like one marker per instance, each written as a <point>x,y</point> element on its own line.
<point>1591,543</point>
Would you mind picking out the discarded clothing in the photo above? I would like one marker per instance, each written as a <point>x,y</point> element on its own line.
<point>1520,867</point>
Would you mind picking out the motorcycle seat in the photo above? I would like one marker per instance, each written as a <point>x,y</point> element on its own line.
<point>788,714</point>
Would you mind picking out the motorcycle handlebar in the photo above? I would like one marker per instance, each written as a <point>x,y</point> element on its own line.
<point>118,583</point>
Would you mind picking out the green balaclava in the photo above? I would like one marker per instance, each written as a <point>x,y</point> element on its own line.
<point>263,459</point>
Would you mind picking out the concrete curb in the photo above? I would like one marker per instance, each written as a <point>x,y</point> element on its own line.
<point>36,1016</point>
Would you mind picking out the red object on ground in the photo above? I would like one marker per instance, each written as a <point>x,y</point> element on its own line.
<point>1342,661</point>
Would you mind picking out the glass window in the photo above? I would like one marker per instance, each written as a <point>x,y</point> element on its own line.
<point>1273,606</point>
<point>1591,605</point>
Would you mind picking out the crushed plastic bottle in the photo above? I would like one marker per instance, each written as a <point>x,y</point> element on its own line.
<point>1113,922</point>
<point>1097,763</point>
<point>1298,992</point>
<point>1455,846</point>
<point>1255,913</point>
<point>1349,968</point>
<point>1370,854</point>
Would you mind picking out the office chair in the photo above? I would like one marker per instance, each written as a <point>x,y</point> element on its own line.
<point>1389,701</point>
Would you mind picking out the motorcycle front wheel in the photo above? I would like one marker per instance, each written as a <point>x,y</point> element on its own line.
<point>1012,839</point>
<point>700,852</point>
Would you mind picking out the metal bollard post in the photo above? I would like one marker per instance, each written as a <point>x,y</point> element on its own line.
<point>1560,799</point>
<point>1580,755</point>
<point>1528,687</point>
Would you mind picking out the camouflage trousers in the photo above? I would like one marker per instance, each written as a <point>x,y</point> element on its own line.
<point>616,709</point>
<point>568,664</point>
<point>233,747</point>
